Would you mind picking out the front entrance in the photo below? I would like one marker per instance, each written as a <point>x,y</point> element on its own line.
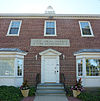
<point>50,66</point>
<point>50,69</point>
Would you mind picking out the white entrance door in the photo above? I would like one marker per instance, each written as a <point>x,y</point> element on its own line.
<point>50,70</point>
<point>50,66</point>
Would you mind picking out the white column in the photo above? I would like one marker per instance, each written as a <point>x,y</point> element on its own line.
<point>84,71</point>
<point>15,67</point>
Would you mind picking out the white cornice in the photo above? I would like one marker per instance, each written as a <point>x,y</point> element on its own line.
<point>55,16</point>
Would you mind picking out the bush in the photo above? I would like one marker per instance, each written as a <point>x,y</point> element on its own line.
<point>69,91</point>
<point>32,91</point>
<point>10,93</point>
<point>88,96</point>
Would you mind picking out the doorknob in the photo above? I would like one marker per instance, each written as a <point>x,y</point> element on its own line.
<point>57,70</point>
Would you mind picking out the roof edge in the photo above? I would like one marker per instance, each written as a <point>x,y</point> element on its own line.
<point>45,15</point>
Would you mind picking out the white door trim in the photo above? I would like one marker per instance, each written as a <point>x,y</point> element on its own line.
<point>50,52</point>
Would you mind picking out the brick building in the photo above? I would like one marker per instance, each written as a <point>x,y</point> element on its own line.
<point>49,44</point>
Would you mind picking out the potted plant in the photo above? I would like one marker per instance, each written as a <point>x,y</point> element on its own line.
<point>24,89</point>
<point>77,88</point>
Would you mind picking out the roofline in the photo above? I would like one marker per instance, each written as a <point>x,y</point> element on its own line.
<point>46,15</point>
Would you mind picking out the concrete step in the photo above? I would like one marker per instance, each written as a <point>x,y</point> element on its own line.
<point>50,84</point>
<point>50,88</point>
<point>50,92</point>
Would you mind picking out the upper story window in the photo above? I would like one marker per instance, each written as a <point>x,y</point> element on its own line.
<point>86,30</point>
<point>50,28</point>
<point>14,28</point>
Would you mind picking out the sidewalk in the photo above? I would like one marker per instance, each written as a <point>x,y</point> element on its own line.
<point>32,99</point>
<point>51,98</point>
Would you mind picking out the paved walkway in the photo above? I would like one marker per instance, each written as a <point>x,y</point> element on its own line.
<point>32,99</point>
<point>51,98</point>
<point>28,98</point>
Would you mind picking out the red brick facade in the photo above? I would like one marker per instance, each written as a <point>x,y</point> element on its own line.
<point>33,28</point>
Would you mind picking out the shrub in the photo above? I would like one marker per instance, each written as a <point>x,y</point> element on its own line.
<point>10,93</point>
<point>69,91</point>
<point>32,91</point>
<point>88,96</point>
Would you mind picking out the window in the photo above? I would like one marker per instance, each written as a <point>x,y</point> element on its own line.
<point>19,67</point>
<point>14,28</point>
<point>93,67</point>
<point>85,28</point>
<point>7,67</point>
<point>50,28</point>
<point>80,69</point>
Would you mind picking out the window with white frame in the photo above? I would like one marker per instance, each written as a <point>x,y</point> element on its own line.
<point>6,67</point>
<point>14,28</point>
<point>19,67</point>
<point>50,28</point>
<point>92,67</point>
<point>86,29</point>
<point>80,67</point>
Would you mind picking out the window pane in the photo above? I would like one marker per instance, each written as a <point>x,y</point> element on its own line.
<point>15,24</point>
<point>7,67</point>
<point>19,68</point>
<point>13,31</point>
<point>93,67</point>
<point>86,31</point>
<point>85,28</point>
<point>80,69</point>
<point>50,25</point>
<point>50,31</point>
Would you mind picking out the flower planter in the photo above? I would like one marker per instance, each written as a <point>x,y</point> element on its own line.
<point>76,93</point>
<point>25,92</point>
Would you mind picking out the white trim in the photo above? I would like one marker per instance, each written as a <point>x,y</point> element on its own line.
<point>87,81</point>
<point>43,14</point>
<point>84,64</point>
<point>52,53</point>
<point>62,17</point>
<point>92,35</point>
<point>15,56</point>
<point>45,27</point>
<point>87,53</point>
<point>13,53</point>
<point>10,28</point>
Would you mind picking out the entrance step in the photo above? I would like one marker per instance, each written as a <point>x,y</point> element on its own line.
<point>50,89</point>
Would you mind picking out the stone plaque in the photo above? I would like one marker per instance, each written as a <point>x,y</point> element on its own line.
<point>50,42</point>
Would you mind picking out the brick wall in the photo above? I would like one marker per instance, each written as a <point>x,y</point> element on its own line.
<point>34,29</point>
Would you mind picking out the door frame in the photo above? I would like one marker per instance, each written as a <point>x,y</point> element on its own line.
<point>49,52</point>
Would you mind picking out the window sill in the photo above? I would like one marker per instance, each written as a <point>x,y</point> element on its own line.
<point>87,36</point>
<point>50,35</point>
<point>88,77</point>
<point>11,76</point>
<point>12,35</point>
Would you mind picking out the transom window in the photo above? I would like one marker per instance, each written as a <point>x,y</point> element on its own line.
<point>50,28</point>
<point>14,28</point>
<point>85,28</point>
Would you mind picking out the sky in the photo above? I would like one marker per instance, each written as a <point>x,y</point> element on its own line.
<point>60,6</point>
